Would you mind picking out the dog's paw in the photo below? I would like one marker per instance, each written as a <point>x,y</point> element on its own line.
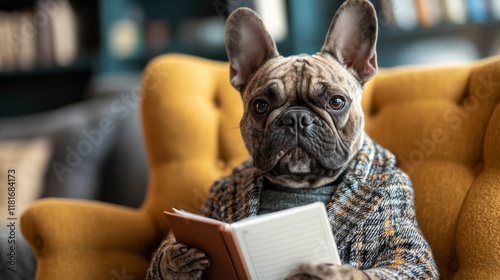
<point>182,263</point>
<point>310,271</point>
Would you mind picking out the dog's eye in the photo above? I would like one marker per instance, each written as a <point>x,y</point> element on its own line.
<point>337,102</point>
<point>260,106</point>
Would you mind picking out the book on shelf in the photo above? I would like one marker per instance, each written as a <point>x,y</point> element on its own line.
<point>267,246</point>
<point>64,33</point>
<point>26,41</point>
<point>429,13</point>
<point>410,14</point>
<point>405,14</point>
<point>495,9</point>
<point>478,10</point>
<point>454,11</point>
<point>45,35</point>
<point>8,52</point>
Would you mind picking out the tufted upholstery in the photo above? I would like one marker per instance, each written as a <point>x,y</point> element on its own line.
<point>443,124</point>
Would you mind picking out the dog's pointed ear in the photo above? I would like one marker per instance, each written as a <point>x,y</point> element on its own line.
<point>248,45</point>
<point>352,38</point>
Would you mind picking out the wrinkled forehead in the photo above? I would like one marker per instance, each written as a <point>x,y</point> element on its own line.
<point>303,74</point>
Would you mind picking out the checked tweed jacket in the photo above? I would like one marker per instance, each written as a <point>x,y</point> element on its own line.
<point>371,212</point>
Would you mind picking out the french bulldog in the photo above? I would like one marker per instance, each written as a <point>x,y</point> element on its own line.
<point>303,126</point>
<point>303,120</point>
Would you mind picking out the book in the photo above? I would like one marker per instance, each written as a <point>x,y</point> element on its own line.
<point>25,41</point>
<point>401,14</point>
<point>428,12</point>
<point>64,34</point>
<point>478,10</point>
<point>495,9</point>
<point>265,247</point>
<point>454,11</point>
<point>45,35</point>
<point>273,14</point>
<point>8,51</point>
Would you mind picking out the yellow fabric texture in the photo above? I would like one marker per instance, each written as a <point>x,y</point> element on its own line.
<point>443,124</point>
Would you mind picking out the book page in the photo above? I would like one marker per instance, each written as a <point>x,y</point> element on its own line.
<point>274,244</point>
<point>198,217</point>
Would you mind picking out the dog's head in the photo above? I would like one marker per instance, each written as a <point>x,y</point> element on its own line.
<point>303,120</point>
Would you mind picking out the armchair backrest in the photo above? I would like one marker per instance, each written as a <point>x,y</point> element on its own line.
<point>190,116</point>
<point>443,124</point>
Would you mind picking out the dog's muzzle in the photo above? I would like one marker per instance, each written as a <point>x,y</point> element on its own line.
<point>297,125</point>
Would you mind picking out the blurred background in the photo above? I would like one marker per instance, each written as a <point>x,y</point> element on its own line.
<point>68,66</point>
<point>70,77</point>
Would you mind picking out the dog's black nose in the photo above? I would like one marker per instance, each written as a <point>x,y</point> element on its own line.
<point>298,119</point>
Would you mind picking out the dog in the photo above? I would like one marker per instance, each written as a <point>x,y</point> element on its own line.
<point>303,127</point>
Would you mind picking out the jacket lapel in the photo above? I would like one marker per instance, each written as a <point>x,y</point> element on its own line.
<point>249,196</point>
<point>354,197</point>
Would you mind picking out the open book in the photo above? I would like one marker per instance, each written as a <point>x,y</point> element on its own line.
<point>265,247</point>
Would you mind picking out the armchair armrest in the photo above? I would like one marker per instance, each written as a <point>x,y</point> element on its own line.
<point>88,240</point>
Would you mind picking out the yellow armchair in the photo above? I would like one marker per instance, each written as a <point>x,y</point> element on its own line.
<point>443,124</point>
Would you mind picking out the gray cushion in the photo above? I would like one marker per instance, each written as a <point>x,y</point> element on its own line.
<point>82,137</point>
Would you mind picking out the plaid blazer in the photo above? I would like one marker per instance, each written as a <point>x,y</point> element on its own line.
<point>371,212</point>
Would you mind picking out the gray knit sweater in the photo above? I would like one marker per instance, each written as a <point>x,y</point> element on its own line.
<point>371,212</point>
<point>275,198</point>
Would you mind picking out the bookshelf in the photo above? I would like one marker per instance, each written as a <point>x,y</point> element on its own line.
<point>447,30</point>
<point>47,53</point>
<point>152,27</point>
<point>406,42</point>
<point>39,35</point>
<point>475,39</point>
<point>115,36</point>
